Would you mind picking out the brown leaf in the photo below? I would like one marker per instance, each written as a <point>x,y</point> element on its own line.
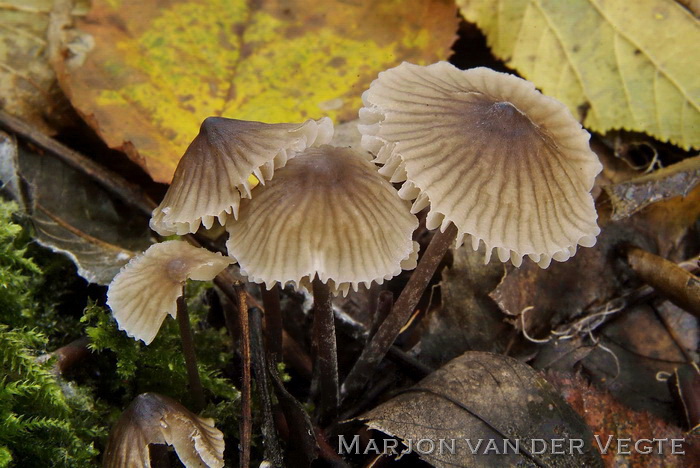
<point>633,195</point>
<point>155,70</point>
<point>489,397</point>
<point>607,417</point>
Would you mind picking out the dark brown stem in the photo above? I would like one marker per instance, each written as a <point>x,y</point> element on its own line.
<point>246,416</point>
<point>389,330</point>
<point>183,320</point>
<point>273,450</point>
<point>273,320</point>
<point>326,359</point>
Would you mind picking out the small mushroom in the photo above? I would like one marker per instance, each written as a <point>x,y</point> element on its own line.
<point>151,286</point>
<point>213,175</point>
<point>146,290</point>
<point>327,221</point>
<point>492,157</point>
<point>157,419</point>
<point>327,213</point>
<point>488,153</point>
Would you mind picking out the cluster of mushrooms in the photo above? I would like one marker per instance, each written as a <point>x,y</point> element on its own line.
<point>483,151</point>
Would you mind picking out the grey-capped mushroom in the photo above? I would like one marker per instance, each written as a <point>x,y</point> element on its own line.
<point>327,213</point>
<point>213,174</point>
<point>156,419</point>
<point>146,290</point>
<point>488,153</point>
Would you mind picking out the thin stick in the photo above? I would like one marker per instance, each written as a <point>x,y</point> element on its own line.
<point>389,330</point>
<point>128,192</point>
<point>273,320</point>
<point>326,352</point>
<point>246,416</point>
<point>183,320</point>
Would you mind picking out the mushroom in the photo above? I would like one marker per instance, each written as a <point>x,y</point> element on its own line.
<point>157,419</point>
<point>150,287</point>
<point>491,157</point>
<point>328,221</point>
<point>213,175</point>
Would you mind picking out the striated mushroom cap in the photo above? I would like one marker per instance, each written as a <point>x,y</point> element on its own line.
<point>328,212</point>
<point>146,290</point>
<point>157,419</point>
<point>489,153</point>
<point>212,176</point>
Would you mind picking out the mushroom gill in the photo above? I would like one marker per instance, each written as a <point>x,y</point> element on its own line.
<point>328,212</point>
<point>146,290</point>
<point>212,176</point>
<point>488,153</point>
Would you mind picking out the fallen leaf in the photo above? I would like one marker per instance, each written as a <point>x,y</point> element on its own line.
<point>28,87</point>
<point>468,318</point>
<point>607,417</point>
<point>635,194</point>
<point>615,64</point>
<point>488,397</point>
<point>71,213</point>
<point>157,69</point>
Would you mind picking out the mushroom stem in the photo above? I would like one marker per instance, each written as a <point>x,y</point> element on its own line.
<point>246,428</point>
<point>326,359</point>
<point>273,320</point>
<point>390,329</point>
<point>183,320</point>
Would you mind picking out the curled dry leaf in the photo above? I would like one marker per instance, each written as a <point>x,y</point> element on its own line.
<point>613,63</point>
<point>157,69</point>
<point>157,419</point>
<point>487,397</point>
<point>71,213</point>
<point>633,195</point>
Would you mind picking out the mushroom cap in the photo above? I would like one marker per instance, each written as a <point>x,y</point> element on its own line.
<point>212,176</point>
<point>489,153</point>
<point>328,212</point>
<point>157,419</point>
<point>146,289</point>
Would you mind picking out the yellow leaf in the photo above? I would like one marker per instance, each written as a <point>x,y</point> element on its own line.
<point>617,64</point>
<point>156,72</point>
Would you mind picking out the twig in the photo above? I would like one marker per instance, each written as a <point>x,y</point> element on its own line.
<point>129,193</point>
<point>389,330</point>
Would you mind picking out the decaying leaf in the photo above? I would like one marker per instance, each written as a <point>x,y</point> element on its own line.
<point>468,318</point>
<point>157,69</point>
<point>607,417</point>
<point>616,64</point>
<point>633,195</point>
<point>487,397</point>
<point>72,214</point>
<point>28,86</point>
<point>157,419</point>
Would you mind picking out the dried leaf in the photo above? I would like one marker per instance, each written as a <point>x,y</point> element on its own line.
<point>157,419</point>
<point>28,87</point>
<point>607,417</point>
<point>633,195</point>
<point>489,397</point>
<point>451,330</point>
<point>616,64</point>
<point>72,214</point>
<point>157,69</point>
